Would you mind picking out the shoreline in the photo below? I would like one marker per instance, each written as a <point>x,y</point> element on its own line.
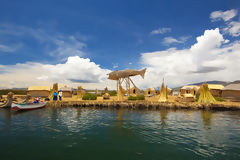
<point>146,105</point>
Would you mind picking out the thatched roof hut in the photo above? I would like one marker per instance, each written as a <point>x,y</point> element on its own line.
<point>67,91</point>
<point>231,92</point>
<point>216,89</point>
<point>39,91</point>
<point>169,91</point>
<point>193,89</point>
<point>188,97</point>
<point>150,92</point>
<point>134,91</point>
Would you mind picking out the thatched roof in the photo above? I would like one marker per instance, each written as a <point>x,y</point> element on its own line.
<point>39,88</point>
<point>233,87</point>
<point>215,86</point>
<point>188,95</point>
<point>189,87</point>
<point>150,89</point>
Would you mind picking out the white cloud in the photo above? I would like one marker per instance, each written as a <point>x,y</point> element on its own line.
<point>9,48</point>
<point>171,40</point>
<point>75,71</point>
<point>160,31</point>
<point>53,43</point>
<point>233,28</point>
<point>68,46</point>
<point>209,59</point>
<point>115,65</point>
<point>226,16</point>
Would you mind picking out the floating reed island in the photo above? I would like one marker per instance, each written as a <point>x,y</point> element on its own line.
<point>206,96</point>
<point>163,99</point>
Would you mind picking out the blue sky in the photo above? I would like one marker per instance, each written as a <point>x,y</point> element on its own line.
<point>113,34</point>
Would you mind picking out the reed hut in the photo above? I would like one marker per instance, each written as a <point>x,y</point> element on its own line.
<point>39,91</point>
<point>216,89</point>
<point>169,91</point>
<point>134,91</point>
<point>190,89</point>
<point>150,92</point>
<point>231,92</point>
<point>188,97</point>
<point>205,94</point>
<point>67,91</point>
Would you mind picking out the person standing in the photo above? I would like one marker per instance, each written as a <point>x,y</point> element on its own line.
<point>60,95</point>
<point>55,96</point>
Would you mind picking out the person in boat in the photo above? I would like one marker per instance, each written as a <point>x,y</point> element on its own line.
<point>60,95</point>
<point>55,96</point>
<point>35,100</point>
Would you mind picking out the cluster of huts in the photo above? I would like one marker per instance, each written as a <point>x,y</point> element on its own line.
<point>229,92</point>
<point>189,92</point>
<point>149,92</point>
<point>44,91</point>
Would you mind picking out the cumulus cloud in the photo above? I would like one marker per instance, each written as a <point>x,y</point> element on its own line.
<point>161,31</point>
<point>210,58</point>
<point>171,40</point>
<point>223,15</point>
<point>76,70</point>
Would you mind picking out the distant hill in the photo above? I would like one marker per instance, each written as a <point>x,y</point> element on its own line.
<point>234,82</point>
<point>211,82</point>
<point>19,88</point>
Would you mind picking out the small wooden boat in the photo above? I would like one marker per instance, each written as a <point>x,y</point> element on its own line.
<point>28,106</point>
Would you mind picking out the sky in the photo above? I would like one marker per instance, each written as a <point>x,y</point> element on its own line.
<point>76,42</point>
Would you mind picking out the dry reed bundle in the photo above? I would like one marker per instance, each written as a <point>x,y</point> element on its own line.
<point>80,92</point>
<point>205,95</point>
<point>54,89</point>
<point>163,94</point>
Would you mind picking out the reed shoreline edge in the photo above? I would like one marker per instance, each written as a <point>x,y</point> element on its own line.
<point>146,105</point>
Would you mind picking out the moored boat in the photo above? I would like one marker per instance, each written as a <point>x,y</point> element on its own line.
<point>27,106</point>
<point>7,103</point>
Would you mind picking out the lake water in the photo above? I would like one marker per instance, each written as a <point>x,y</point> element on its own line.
<point>77,133</point>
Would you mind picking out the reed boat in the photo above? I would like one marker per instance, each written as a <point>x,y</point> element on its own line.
<point>6,104</point>
<point>27,106</point>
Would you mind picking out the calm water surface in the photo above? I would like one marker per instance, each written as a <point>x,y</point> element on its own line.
<point>75,133</point>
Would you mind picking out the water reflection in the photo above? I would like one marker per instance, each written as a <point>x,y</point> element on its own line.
<point>54,116</point>
<point>163,116</point>
<point>202,133</point>
<point>7,116</point>
<point>119,118</point>
<point>79,112</point>
<point>206,119</point>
